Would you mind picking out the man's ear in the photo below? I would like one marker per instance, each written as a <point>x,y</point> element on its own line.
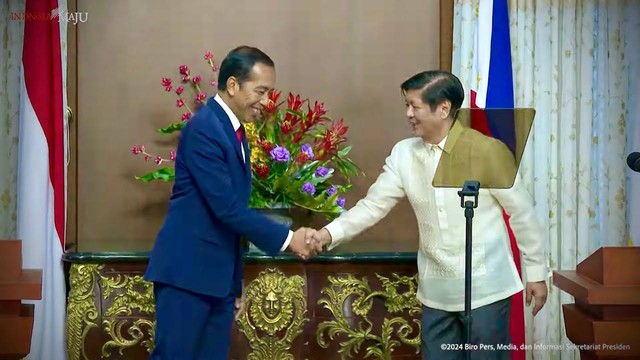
<point>232,85</point>
<point>445,109</point>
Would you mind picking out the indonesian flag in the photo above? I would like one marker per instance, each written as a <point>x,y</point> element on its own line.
<point>42,174</point>
<point>494,89</point>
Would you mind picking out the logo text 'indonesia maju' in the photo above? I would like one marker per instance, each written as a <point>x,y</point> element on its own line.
<point>60,15</point>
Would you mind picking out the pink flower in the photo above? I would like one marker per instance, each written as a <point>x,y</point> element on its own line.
<point>179,103</point>
<point>172,155</point>
<point>184,70</point>
<point>147,158</point>
<point>166,82</point>
<point>196,79</point>
<point>179,89</point>
<point>214,83</point>
<point>215,67</point>
<point>208,55</point>
<point>186,116</point>
<point>200,96</point>
<point>137,149</point>
<point>185,78</point>
<point>158,160</point>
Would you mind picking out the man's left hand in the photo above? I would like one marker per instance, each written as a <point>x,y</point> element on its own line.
<point>538,291</point>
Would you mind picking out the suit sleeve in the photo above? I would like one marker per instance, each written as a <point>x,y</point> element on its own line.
<point>207,166</point>
<point>518,204</point>
<point>381,197</point>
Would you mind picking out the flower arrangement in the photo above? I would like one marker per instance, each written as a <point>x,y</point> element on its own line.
<point>297,154</point>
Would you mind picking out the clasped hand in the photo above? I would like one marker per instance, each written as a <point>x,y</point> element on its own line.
<point>307,242</point>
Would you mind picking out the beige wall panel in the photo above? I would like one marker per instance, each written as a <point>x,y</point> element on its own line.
<point>351,54</point>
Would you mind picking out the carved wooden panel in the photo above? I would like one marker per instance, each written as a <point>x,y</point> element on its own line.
<point>293,311</point>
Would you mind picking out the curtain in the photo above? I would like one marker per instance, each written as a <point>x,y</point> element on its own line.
<point>571,63</point>
<point>11,32</point>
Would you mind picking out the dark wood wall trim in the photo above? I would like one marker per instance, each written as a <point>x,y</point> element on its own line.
<point>71,236</point>
<point>446,34</point>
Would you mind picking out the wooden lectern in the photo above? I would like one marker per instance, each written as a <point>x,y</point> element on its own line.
<point>16,284</point>
<point>604,322</point>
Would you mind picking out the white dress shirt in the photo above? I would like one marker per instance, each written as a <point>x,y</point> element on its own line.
<point>409,171</point>
<point>236,125</point>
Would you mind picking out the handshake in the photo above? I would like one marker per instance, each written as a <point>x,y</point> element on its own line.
<point>307,242</point>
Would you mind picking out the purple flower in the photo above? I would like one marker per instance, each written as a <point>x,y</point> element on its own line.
<point>279,154</point>
<point>332,190</point>
<point>307,149</point>
<point>308,188</point>
<point>340,201</point>
<point>322,171</point>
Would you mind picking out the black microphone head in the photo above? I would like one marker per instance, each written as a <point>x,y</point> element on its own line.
<point>633,160</point>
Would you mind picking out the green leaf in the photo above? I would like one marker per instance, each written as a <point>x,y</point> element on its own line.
<point>342,153</point>
<point>165,174</point>
<point>172,128</point>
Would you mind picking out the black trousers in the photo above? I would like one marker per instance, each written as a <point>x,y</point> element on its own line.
<point>443,337</point>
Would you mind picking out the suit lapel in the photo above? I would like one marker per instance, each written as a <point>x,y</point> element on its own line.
<point>226,125</point>
<point>247,151</point>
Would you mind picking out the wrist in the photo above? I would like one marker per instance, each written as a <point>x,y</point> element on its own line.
<point>326,236</point>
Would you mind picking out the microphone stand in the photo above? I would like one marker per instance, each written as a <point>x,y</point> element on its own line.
<point>470,189</point>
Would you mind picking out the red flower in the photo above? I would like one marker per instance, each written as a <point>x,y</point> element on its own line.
<point>166,82</point>
<point>262,170</point>
<point>208,55</point>
<point>184,70</point>
<point>332,138</point>
<point>294,103</point>
<point>158,160</point>
<point>172,155</point>
<point>272,103</point>
<point>266,145</point>
<point>179,103</point>
<point>200,97</point>
<point>302,158</point>
<point>186,116</point>
<point>319,109</point>
<point>179,89</point>
<point>137,149</point>
<point>196,79</point>
<point>309,121</point>
<point>286,127</point>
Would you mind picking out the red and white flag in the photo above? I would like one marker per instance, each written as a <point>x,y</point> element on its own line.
<point>42,174</point>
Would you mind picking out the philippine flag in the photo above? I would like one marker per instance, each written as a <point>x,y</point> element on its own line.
<point>494,90</point>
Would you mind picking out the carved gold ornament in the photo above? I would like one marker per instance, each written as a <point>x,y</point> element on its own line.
<point>81,308</point>
<point>276,308</point>
<point>126,321</point>
<point>137,295</point>
<point>393,331</point>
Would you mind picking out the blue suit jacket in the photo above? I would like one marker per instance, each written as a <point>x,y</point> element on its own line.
<point>198,247</point>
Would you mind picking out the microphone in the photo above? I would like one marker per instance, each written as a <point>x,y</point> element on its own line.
<point>633,160</point>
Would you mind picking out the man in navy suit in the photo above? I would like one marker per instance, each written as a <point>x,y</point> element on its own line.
<point>197,262</point>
